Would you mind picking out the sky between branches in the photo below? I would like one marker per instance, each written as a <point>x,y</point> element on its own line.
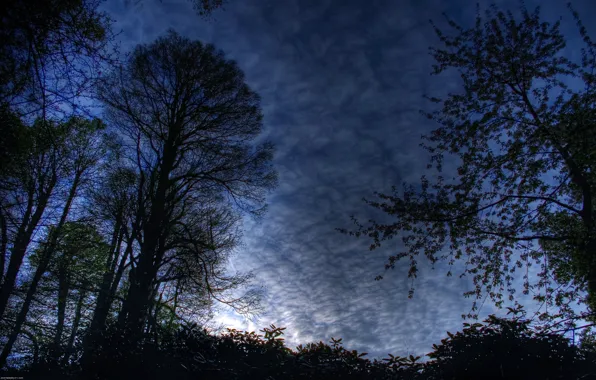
<point>341,85</point>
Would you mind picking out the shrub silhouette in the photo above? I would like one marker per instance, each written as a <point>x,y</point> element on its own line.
<point>506,349</point>
<point>499,348</point>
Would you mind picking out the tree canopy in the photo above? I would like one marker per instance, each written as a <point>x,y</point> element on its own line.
<point>52,55</point>
<point>520,136</point>
<point>190,119</point>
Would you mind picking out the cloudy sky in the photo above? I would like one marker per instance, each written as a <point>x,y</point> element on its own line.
<point>341,85</point>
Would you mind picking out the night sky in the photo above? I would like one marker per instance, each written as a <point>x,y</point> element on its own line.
<point>342,83</point>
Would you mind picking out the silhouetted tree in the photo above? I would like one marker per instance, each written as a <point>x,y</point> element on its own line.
<point>190,119</point>
<point>76,268</point>
<point>113,206</point>
<point>69,151</point>
<point>52,53</point>
<point>56,317</point>
<point>522,140</point>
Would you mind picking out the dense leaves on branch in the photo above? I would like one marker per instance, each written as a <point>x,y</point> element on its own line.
<point>520,140</point>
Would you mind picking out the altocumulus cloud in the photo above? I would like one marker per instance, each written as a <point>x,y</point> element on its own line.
<point>341,85</point>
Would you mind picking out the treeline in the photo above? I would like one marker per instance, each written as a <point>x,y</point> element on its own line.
<point>499,348</point>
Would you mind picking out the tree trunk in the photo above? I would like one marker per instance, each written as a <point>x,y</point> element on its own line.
<point>75,327</point>
<point>122,315</point>
<point>153,310</point>
<point>33,340</point>
<point>154,231</point>
<point>100,315</point>
<point>104,301</point>
<point>24,309</point>
<point>63,288</point>
<point>137,302</point>
<point>105,297</point>
<point>41,269</point>
<point>23,238</point>
<point>592,278</point>
<point>3,244</point>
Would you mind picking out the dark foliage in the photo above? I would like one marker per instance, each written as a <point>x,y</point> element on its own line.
<point>52,54</point>
<point>505,349</point>
<point>498,349</point>
<point>521,188</point>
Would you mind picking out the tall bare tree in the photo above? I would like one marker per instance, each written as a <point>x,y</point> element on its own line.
<point>189,120</point>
